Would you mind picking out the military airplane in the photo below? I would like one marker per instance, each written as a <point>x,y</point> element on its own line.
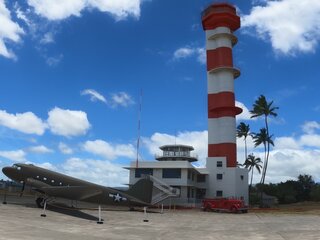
<point>50,185</point>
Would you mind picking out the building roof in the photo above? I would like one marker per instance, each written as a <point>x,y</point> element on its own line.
<point>187,147</point>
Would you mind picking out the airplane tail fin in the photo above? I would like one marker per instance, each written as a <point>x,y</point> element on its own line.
<point>142,190</point>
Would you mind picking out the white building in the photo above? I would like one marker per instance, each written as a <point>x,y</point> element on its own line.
<point>174,167</point>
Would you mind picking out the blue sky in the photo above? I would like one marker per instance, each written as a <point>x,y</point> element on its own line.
<point>72,73</point>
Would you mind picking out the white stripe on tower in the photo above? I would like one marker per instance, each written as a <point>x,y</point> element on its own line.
<point>219,21</point>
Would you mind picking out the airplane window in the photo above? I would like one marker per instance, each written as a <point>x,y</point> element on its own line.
<point>45,178</point>
<point>16,167</point>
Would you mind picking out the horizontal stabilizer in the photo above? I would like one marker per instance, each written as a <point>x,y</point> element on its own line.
<point>142,190</point>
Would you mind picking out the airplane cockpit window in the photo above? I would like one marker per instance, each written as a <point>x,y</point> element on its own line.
<point>16,167</point>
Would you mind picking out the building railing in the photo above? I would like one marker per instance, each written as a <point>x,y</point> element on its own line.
<point>177,155</point>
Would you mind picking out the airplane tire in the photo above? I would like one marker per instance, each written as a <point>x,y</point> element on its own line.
<point>39,202</point>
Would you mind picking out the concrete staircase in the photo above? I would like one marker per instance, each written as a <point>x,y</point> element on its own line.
<point>166,190</point>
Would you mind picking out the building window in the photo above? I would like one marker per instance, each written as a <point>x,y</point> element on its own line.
<point>219,176</point>
<point>171,173</point>
<point>143,171</point>
<point>201,178</point>
<point>192,176</point>
<point>219,163</point>
<point>219,193</point>
<point>189,174</point>
<point>241,177</point>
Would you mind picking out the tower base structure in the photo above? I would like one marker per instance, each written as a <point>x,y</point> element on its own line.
<point>228,182</point>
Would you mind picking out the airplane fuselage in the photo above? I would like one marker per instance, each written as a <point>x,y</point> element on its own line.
<point>54,184</point>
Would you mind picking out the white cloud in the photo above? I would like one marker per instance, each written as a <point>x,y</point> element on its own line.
<point>310,140</point>
<point>94,95</point>
<point>202,55</point>
<point>10,31</point>
<point>64,148</point>
<point>16,156</point>
<point>290,157</point>
<point>186,52</point>
<point>58,9</point>
<point>53,61</point>
<point>68,123</point>
<point>109,151</point>
<point>120,9</point>
<point>121,99</point>
<point>61,9</point>
<point>245,115</point>
<point>290,25</point>
<point>183,53</point>
<point>40,149</point>
<point>196,139</point>
<point>97,171</point>
<point>46,165</point>
<point>21,15</point>
<point>285,164</point>
<point>47,38</point>
<point>310,127</point>
<point>24,122</point>
<point>286,143</point>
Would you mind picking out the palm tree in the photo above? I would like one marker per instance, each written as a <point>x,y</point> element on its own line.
<point>243,131</point>
<point>263,138</point>
<point>262,107</point>
<point>252,163</point>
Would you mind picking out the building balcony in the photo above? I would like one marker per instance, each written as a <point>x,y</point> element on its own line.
<point>177,156</point>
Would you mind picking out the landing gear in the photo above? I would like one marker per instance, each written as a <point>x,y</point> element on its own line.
<point>40,202</point>
<point>44,209</point>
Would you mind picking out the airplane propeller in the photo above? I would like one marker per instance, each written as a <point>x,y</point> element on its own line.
<point>23,186</point>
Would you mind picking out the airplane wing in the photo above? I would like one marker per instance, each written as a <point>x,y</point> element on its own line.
<point>71,192</point>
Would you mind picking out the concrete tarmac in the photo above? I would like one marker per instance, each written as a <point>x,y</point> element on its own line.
<point>23,221</point>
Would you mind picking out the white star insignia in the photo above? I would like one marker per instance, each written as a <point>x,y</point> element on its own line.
<point>117,197</point>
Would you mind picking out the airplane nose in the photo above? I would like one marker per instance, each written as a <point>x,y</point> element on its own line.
<point>8,171</point>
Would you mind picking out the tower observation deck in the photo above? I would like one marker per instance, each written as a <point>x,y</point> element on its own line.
<point>177,153</point>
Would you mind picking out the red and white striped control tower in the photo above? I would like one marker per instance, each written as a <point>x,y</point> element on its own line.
<point>219,21</point>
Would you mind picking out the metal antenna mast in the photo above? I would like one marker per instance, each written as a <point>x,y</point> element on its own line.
<point>138,140</point>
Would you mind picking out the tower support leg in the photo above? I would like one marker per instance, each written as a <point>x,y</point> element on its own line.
<point>5,193</point>
<point>100,221</point>
<point>145,219</point>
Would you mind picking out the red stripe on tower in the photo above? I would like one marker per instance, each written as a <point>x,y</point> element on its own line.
<point>220,21</point>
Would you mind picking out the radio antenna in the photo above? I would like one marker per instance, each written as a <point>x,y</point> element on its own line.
<point>139,119</point>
